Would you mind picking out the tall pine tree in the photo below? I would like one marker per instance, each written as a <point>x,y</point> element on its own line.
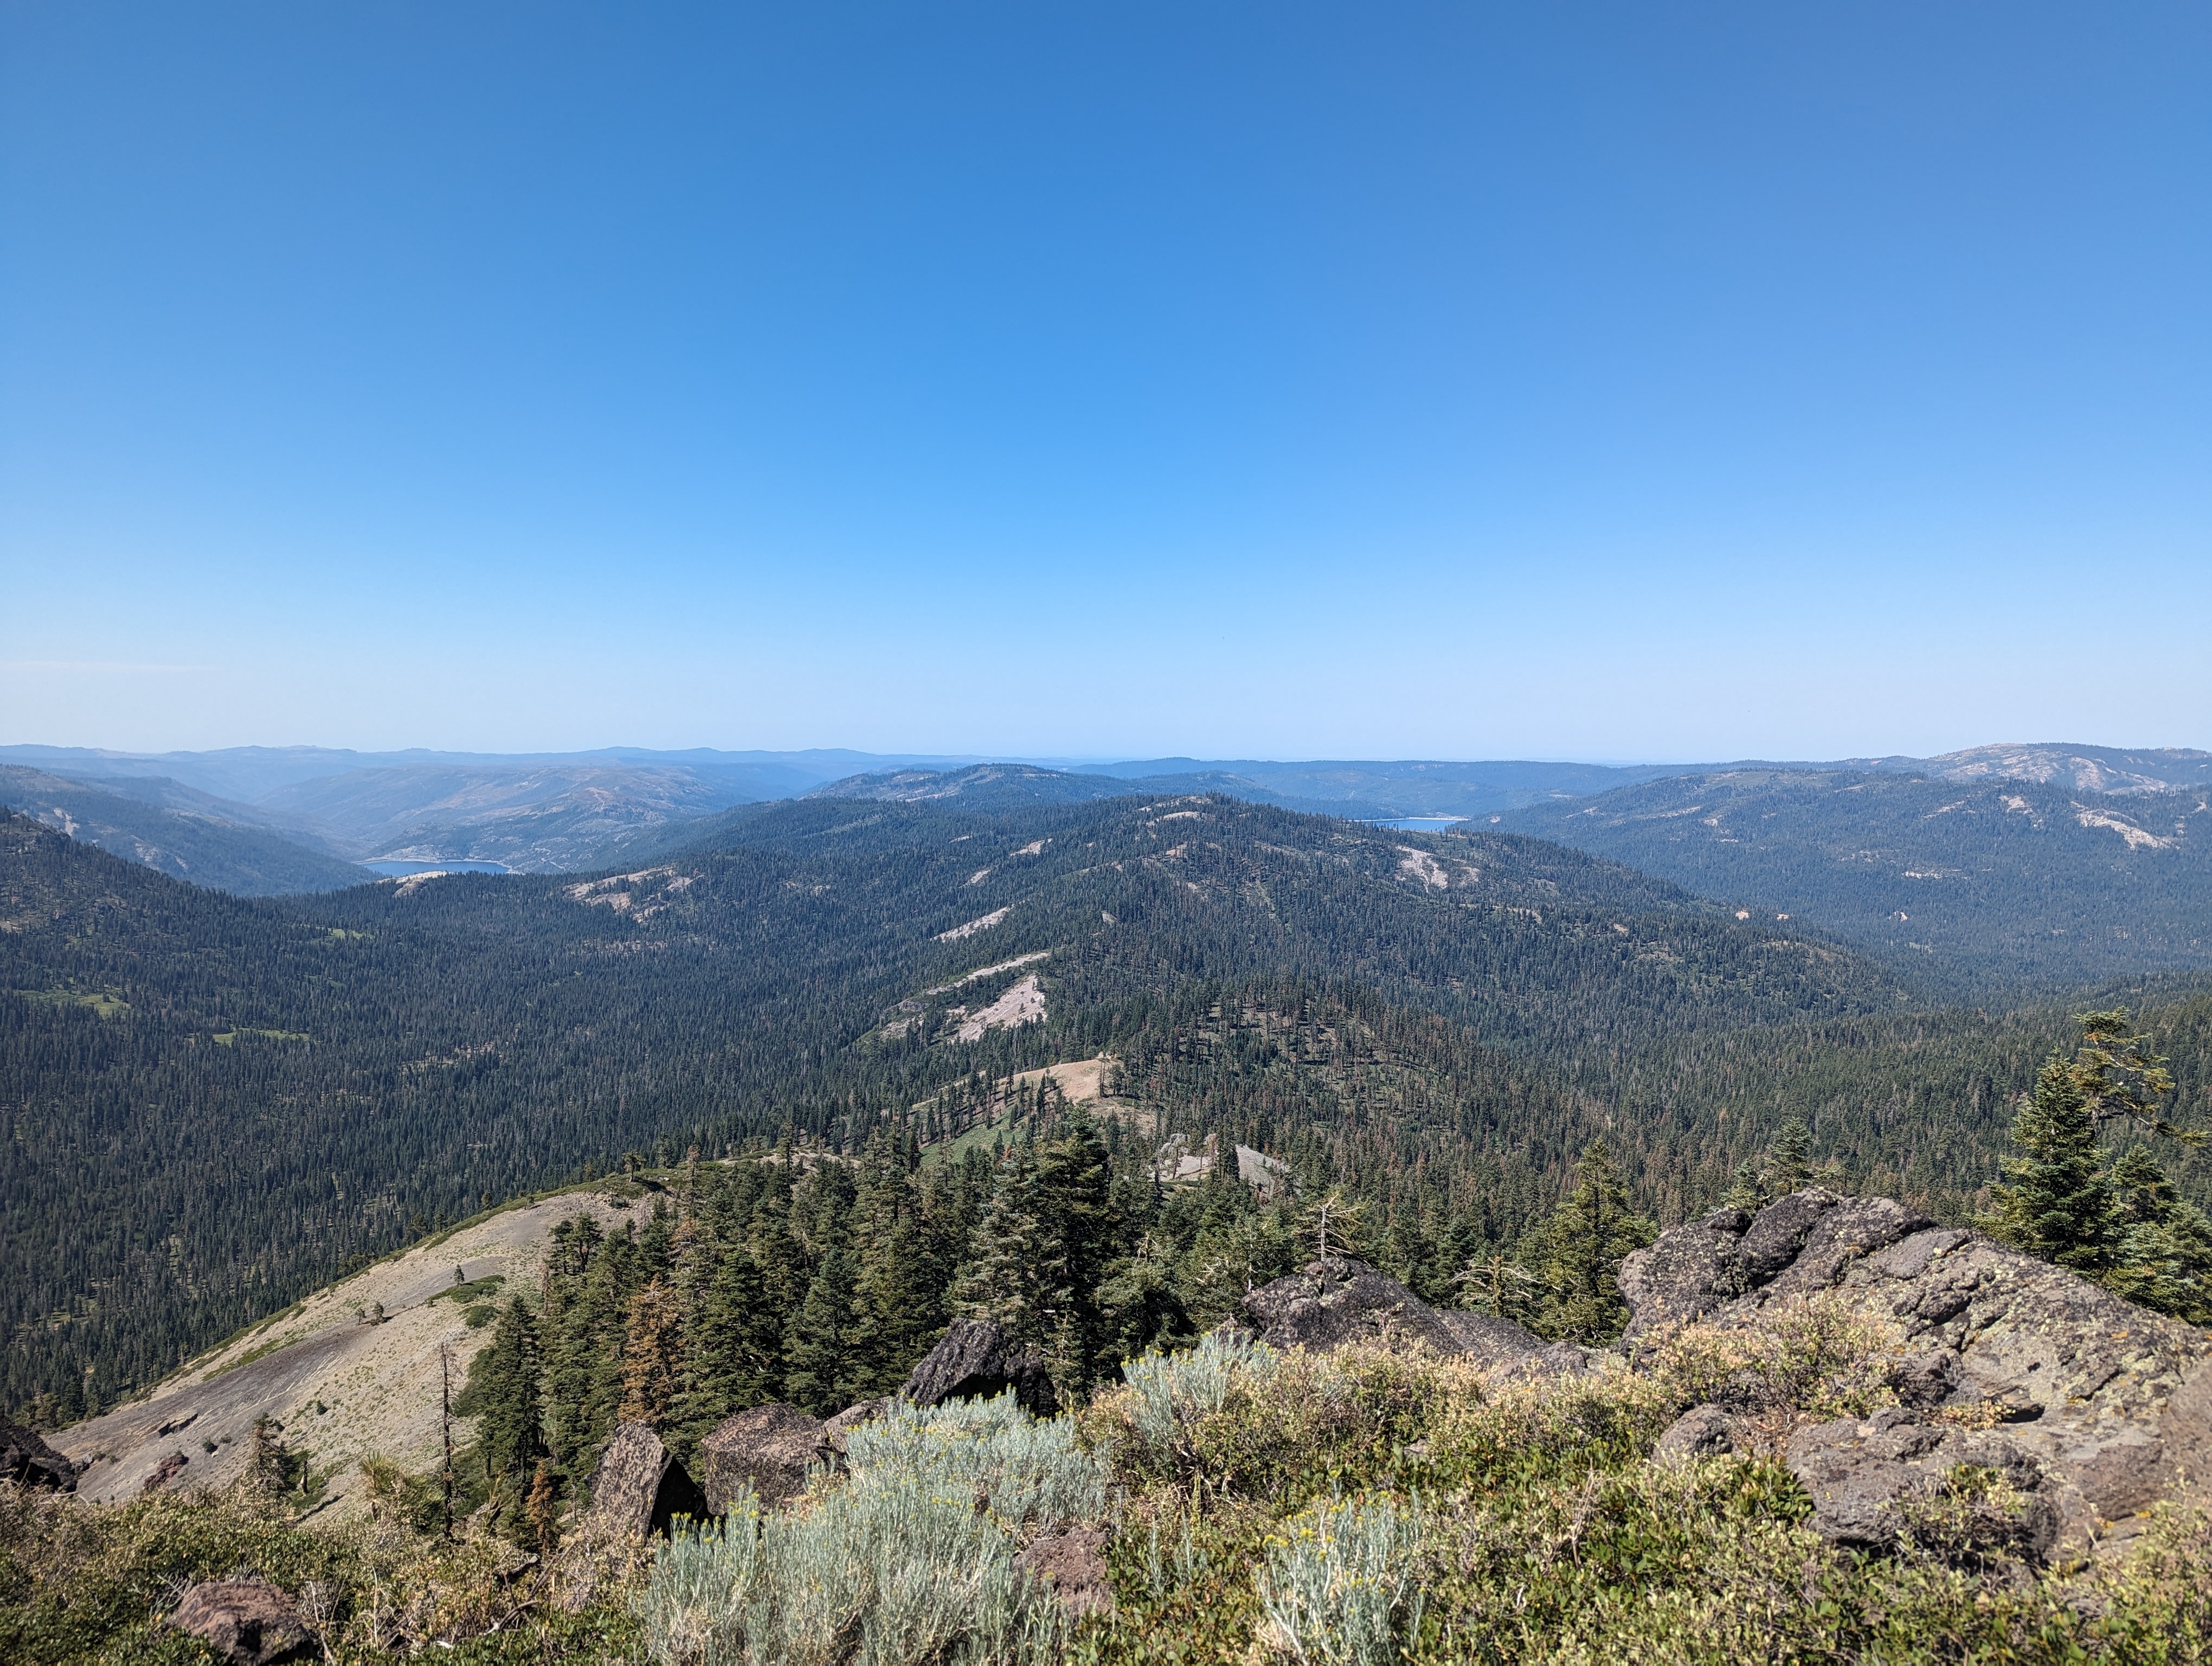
<point>1580,1250</point>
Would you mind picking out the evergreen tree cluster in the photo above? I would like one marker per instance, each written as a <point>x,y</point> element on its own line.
<point>2114,1217</point>
<point>798,1277</point>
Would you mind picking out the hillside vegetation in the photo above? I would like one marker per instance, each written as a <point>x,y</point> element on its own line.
<point>198,844</point>
<point>1984,890</point>
<point>220,1103</point>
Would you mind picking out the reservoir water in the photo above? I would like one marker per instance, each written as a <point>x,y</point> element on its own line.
<point>401,870</point>
<point>1416,824</point>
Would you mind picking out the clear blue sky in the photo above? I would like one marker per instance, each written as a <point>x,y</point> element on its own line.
<point>1624,381</point>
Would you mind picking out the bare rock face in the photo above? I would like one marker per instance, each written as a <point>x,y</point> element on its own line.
<point>1490,1340</point>
<point>1328,1304</point>
<point>1874,1483</point>
<point>640,1488</point>
<point>2113,1403</point>
<point>769,1449</point>
<point>1074,1561</point>
<point>244,1620</point>
<point>975,1361</point>
<point>28,1461</point>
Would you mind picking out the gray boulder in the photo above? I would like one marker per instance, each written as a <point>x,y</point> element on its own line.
<point>29,1461</point>
<point>1872,1483</point>
<point>1490,1340</point>
<point>246,1621</point>
<point>640,1488</point>
<point>977,1361</point>
<point>1328,1304</point>
<point>769,1449</point>
<point>2113,1402</point>
<point>1703,1432</point>
<point>836,1430</point>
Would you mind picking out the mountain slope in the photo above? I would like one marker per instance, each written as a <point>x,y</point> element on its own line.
<point>544,819</point>
<point>1992,888</point>
<point>2084,769</point>
<point>194,845</point>
<point>215,1103</point>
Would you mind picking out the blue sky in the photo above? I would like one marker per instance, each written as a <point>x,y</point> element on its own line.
<point>1281,381</point>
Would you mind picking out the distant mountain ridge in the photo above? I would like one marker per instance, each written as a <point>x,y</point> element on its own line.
<point>178,831</point>
<point>1981,881</point>
<point>2106,770</point>
<point>306,1075</point>
<point>553,812</point>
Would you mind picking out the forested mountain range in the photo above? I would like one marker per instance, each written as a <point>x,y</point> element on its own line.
<point>214,1102</point>
<point>581,812</point>
<point>185,834</point>
<point>538,818</point>
<point>1982,889</point>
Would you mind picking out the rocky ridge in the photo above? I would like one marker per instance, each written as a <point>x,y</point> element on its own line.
<point>2090,1409</point>
<point>2075,1408</point>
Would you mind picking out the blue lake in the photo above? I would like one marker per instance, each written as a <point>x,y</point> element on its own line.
<point>401,870</point>
<point>1417,824</point>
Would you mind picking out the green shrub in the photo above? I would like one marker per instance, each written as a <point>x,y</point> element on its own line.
<point>1170,1392</point>
<point>908,1560</point>
<point>1809,1358</point>
<point>1335,1580</point>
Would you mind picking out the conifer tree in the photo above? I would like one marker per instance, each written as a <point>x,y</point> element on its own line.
<point>1747,1191</point>
<point>815,1347</point>
<point>1074,1207</point>
<point>583,1367</point>
<point>1789,1164</point>
<point>503,1393</point>
<point>898,1294</point>
<point>1003,1279</point>
<point>1494,1283</point>
<point>733,1352</point>
<point>1580,1247</point>
<point>652,1356</point>
<point>2163,1254</point>
<point>2057,1203</point>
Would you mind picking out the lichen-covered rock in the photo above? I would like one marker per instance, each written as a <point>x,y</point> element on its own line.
<point>977,1361</point>
<point>1328,1304</point>
<point>1686,1274</point>
<point>640,1488</point>
<point>246,1621</point>
<point>1890,1476</point>
<point>29,1461</point>
<point>1703,1432</point>
<point>2113,1402</point>
<point>767,1448</point>
<point>1490,1340</point>
<point>851,1417</point>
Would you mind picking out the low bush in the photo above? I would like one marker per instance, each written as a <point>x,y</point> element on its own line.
<point>907,1559</point>
<point>1370,1507</point>
<point>1336,1581</point>
<point>1170,1392</point>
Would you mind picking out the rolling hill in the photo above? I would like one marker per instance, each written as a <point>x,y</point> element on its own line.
<point>1990,888</point>
<point>175,831</point>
